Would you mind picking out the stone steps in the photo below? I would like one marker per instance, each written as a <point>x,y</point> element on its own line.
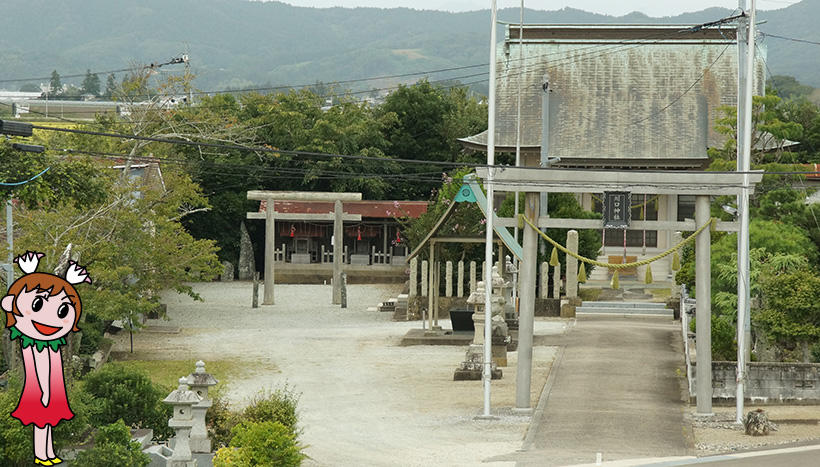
<point>624,308</point>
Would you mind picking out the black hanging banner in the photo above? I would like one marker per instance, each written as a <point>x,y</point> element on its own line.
<point>617,211</point>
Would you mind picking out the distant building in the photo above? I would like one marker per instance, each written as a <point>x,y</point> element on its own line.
<point>376,239</point>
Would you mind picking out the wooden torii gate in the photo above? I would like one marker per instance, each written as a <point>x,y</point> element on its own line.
<point>270,216</point>
<point>533,181</point>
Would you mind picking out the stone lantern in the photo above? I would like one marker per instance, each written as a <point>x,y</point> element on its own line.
<point>199,381</point>
<point>183,400</point>
<point>472,367</point>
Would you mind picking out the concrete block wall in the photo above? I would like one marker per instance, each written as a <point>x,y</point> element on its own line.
<point>768,382</point>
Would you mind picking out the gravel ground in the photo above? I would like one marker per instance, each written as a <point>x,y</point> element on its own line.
<point>720,434</point>
<point>364,399</point>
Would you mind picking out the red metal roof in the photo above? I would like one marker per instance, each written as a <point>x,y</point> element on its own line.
<point>367,209</point>
<point>813,168</point>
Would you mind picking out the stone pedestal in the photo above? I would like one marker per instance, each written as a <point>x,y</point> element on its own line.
<point>499,350</point>
<point>471,369</point>
<point>183,400</point>
<point>199,381</point>
<point>568,307</point>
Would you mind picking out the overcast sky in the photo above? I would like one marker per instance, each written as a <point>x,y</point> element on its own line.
<point>609,7</point>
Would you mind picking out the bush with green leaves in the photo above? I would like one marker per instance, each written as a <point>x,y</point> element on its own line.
<point>113,446</point>
<point>261,444</point>
<point>123,392</point>
<point>220,420</point>
<point>790,314</point>
<point>272,406</point>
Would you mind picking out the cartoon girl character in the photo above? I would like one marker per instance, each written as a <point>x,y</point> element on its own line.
<point>41,309</point>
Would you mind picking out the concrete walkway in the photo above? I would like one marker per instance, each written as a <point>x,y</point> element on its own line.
<point>615,389</point>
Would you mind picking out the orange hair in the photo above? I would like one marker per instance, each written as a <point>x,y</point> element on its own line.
<point>47,283</point>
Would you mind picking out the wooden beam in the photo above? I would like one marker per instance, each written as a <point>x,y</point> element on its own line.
<point>285,216</point>
<point>463,240</point>
<point>687,225</point>
<point>533,179</point>
<point>303,196</point>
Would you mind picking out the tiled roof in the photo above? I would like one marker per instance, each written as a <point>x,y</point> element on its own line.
<point>367,209</point>
<point>618,92</point>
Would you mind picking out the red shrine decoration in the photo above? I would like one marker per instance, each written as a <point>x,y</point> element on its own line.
<point>398,236</point>
<point>358,233</point>
<point>292,230</point>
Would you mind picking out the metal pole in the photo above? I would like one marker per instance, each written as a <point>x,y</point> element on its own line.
<point>518,140</point>
<point>703,314</point>
<point>744,131</point>
<point>270,251</point>
<point>338,251</point>
<point>10,239</point>
<point>545,148</point>
<point>488,246</point>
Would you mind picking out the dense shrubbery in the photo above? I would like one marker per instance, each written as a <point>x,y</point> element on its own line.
<point>261,444</point>
<point>113,446</point>
<point>93,331</point>
<point>241,435</point>
<point>122,392</point>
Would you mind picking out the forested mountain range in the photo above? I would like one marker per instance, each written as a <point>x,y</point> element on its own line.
<point>238,43</point>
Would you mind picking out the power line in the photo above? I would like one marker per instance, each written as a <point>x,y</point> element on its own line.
<point>678,98</point>
<point>26,181</point>
<point>804,41</point>
<point>151,66</point>
<point>441,70</point>
<point>78,75</point>
<point>388,159</point>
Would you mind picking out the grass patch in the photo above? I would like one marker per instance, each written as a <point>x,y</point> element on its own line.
<point>660,293</point>
<point>168,372</point>
<point>589,295</point>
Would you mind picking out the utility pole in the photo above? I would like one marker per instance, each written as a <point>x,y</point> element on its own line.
<point>11,128</point>
<point>746,53</point>
<point>488,245</point>
<point>518,142</point>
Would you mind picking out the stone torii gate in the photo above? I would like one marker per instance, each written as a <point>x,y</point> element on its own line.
<point>270,217</point>
<point>533,181</point>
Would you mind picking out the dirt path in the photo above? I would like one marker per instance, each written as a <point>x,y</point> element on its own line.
<point>364,399</point>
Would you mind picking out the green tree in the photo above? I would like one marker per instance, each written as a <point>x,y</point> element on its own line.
<point>77,179</point>
<point>429,121</point>
<point>91,83</point>
<point>111,86</point>
<point>790,311</point>
<point>55,85</point>
<point>293,121</point>
<point>770,134</point>
<point>788,87</point>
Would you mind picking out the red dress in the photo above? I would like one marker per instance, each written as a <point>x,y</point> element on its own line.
<point>30,409</point>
